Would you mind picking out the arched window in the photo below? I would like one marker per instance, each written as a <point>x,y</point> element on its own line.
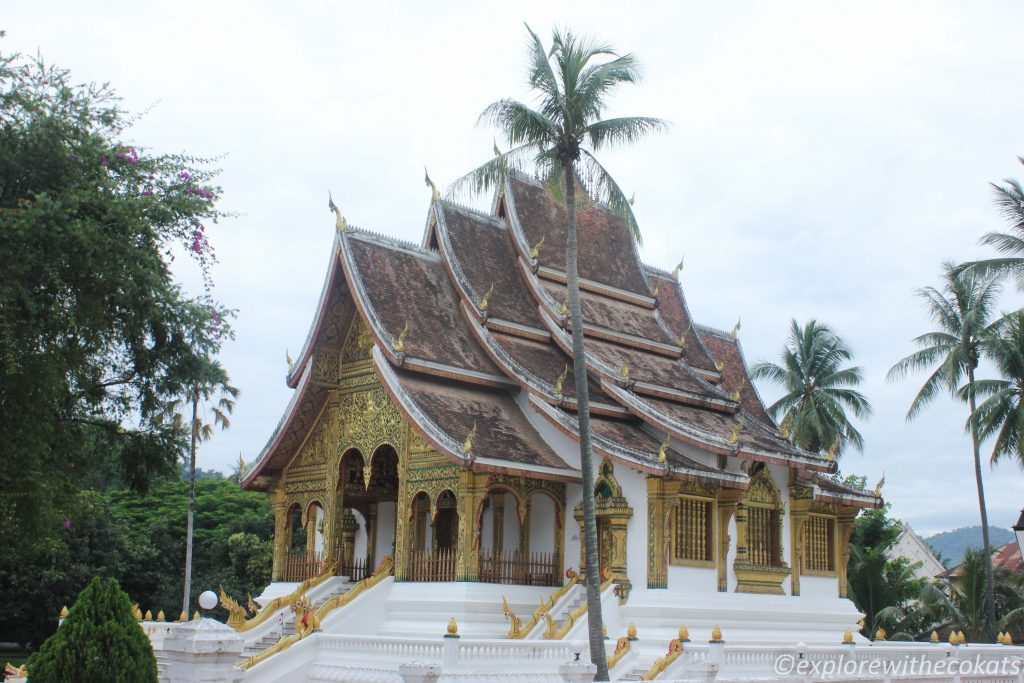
<point>764,525</point>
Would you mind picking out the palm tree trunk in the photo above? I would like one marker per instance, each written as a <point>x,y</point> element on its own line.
<point>990,600</point>
<point>593,570</point>
<point>191,507</point>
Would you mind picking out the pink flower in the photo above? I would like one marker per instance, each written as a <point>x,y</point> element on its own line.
<point>184,175</point>
<point>67,523</point>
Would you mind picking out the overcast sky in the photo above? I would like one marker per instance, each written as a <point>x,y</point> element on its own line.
<point>825,158</point>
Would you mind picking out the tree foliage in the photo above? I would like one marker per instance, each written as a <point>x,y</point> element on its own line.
<point>95,335</point>
<point>820,389</point>
<point>99,642</point>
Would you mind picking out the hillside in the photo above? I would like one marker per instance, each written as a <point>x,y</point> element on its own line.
<point>950,545</point>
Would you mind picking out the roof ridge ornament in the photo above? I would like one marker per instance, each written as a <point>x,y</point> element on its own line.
<point>632,199</point>
<point>735,396</point>
<point>560,382</point>
<point>535,249</point>
<point>563,310</point>
<point>880,484</point>
<point>467,445</point>
<point>833,451</point>
<point>736,329</point>
<point>663,450</point>
<point>291,363</point>
<point>399,344</point>
<point>434,194</point>
<point>484,303</point>
<point>784,427</point>
<point>624,370</point>
<point>678,269</point>
<point>340,224</point>
<point>719,365</point>
<point>734,436</point>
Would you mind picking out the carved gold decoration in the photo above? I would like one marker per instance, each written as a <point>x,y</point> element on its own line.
<point>11,671</point>
<point>934,637</point>
<point>516,628</point>
<point>399,344</point>
<point>137,613</point>
<point>236,613</point>
<point>655,290</point>
<point>716,634</point>
<point>148,616</point>
<point>735,396</point>
<point>535,249</point>
<point>663,449</point>
<point>160,616</point>
<point>786,425</point>
<point>734,435</point>
<point>848,636</point>
<point>183,616</point>
<point>557,632</point>
<point>560,382</point>
<point>880,634</point>
<point>64,612</point>
<point>286,600</point>
<point>624,370</point>
<point>675,649</point>
<point>467,445</point>
<point>434,194</point>
<point>195,616</point>
<point>291,363</point>
<point>632,199</point>
<point>340,223</point>
<point>681,342</point>
<point>678,269</point>
<point>879,485</point>
<point>621,650</point>
<point>684,634</point>
<point>563,310</point>
<point>484,303</point>
<point>453,628</point>
<point>736,329</point>
<point>631,631</point>
<point>719,365</point>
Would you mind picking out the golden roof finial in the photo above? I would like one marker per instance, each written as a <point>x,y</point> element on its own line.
<point>787,423</point>
<point>716,634</point>
<point>879,485</point>
<point>735,396</point>
<point>183,616</point>
<point>678,269</point>
<point>663,451</point>
<point>195,616</point>
<point>934,637</point>
<point>291,363</point>
<point>655,290</point>
<point>719,365</point>
<point>467,445</point>
<point>734,436</point>
<point>148,616</point>
<point>848,636</point>
<point>960,637</point>
<point>624,370</point>
<point>535,249</point>
<point>485,302</point>
<point>833,450</point>
<point>399,344</point>
<point>160,616</point>
<point>736,328</point>
<point>684,633</point>
<point>632,200</point>
<point>243,466</point>
<point>681,342</point>
<point>340,224</point>
<point>453,628</point>
<point>563,310</point>
<point>560,382</point>
<point>434,194</point>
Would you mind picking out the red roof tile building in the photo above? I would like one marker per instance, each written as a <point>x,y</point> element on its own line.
<point>433,421</point>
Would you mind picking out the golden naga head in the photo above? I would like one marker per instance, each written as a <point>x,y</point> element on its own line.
<point>467,445</point>
<point>560,382</point>
<point>399,344</point>
<point>663,451</point>
<point>535,249</point>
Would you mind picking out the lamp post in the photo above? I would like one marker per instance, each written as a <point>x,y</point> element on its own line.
<point>1018,531</point>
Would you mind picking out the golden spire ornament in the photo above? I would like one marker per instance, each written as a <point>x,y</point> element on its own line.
<point>291,363</point>
<point>563,310</point>
<point>879,485</point>
<point>624,370</point>
<point>848,637</point>
<point>485,301</point>
<point>560,382</point>
<point>434,194</point>
<point>399,344</point>
<point>632,200</point>
<point>736,329</point>
<point>678,269</point>
<point>663,451</point>
<point>734,436</point>
<point>467,445</point>
<point>535,249</point>
<point>340,223</point>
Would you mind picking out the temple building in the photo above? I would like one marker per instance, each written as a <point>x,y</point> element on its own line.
<point>433,423</point>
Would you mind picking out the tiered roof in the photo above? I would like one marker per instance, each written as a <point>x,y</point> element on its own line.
<point>472,343</point>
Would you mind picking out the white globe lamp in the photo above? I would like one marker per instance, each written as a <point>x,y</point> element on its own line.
<point>208,600</point>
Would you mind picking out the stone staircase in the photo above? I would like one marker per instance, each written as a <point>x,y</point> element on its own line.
<point>288,627</point>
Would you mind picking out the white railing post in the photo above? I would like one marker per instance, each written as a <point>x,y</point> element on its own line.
<point>419,672</point>
<point>577,670</point>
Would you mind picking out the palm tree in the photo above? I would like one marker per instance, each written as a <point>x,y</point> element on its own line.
<point>819,390</point>
<point>884,589</point>
<point>1002,413</point>
<point>210,389</point>
<point>573,81</point>
<point>962,311</point>
<point>1009,197</point>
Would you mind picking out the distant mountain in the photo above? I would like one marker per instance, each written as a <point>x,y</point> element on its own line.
<point>949,546</point>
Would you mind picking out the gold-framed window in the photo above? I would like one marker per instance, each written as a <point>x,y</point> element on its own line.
<point>693,541</point>
<point>763,536</point>
<point>819,545</point>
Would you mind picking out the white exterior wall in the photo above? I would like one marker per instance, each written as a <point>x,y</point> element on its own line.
<point>542,524</point>
<point>634,489</point>
<point>573,541</point>
<point>510,532</point>
<point>692,579</point>
<point>487,527</point>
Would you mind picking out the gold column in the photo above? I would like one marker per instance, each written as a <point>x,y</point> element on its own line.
<point>524,529</point>
<point>844,529</point>
<point>727,505</point>
<point>657,574</point>
<point>311,524</point>
<point>467,559</point>
<point>347,534</point>
<point>280,508</point>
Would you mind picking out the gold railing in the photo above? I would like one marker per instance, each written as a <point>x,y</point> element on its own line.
<point>387,566</point>
<point>286,600</point>
<point>519,630</point>
<point>558,631</point>
<point>621,650</point>
<point>675,648</point>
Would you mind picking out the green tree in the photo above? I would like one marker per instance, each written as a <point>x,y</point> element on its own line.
<point>1009,198</point>
<point>94,333</point>
<point>819,390</point>
<point>1001,414</point>
<point>573,81</point>
<point>210,390</point>
<point>99,642</point>
<point>962,311</point>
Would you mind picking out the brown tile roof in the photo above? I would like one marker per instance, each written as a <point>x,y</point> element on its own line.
<point>503,432</point>
<point>482,250</point>
<point>734,373</point>
<point>606,250</point>
<point>834,490</point>
<point>545,361</point>
<point>674,311</point>
<point>404,285</point>
<point>613,314</point>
